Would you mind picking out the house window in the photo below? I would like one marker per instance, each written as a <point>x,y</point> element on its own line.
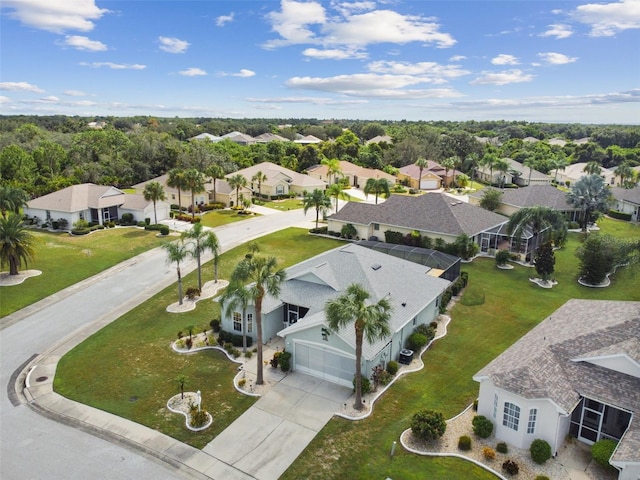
<point>173,196</point>
<point>81,215</point>
<point>249,322</point>
<point>376,226</point>
<point>511,416</point>
<point>415,320</point>
<point>531,425</point>
<point>495,405</point>
<point>280,190</point>
<point>48,215</point>
<point>237,321</point>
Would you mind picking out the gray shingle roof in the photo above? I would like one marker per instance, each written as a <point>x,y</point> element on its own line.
<point>433,212</point>
<point>313,282</point>
<point>551,361</point>
<point>533,196</point>
<point>631,195</point>
<point>79,197</point>
<point>274,171</point>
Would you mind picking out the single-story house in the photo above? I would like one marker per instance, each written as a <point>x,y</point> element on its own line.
<point>356,174</point>
<point>297,315</point>
<point>518,174</point>
<point>513,199</point>
<point>434,176</point>
<point>223,192</point>
<point>270,137</point>
<point>380,139</point>
<point>239,138</point>
<point>574,172</point>
<point>627,200</point>
<point>280,180</point>
<point>206,136</point>
<point>93,203</point>
<point>306,140</point>
<point>577,373</point>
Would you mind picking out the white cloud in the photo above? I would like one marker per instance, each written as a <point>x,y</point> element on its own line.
<point>84,103</point>
<point>309,100</point>
<point>173,45</point>
<point>222,20</point>
<point>504,59</point>
<point>243,73</point>
<point>114,66</point>
<point>457,58</point>
<point>50,99</point>
<point>558,30</point>
<point>426,70</point>
<point>55,15</point>
<point>502,78</point>
<point>347,8</point>
<point>556,58</point>
<point>334,54</point>
<point>83,43</point>
<point>292,22</point>
<point>20,87</point>
<point>75,93</point>
<point>607,19</point>
<point>193,72</point>
<point>4,99</point>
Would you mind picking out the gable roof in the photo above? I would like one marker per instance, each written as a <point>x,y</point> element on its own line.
<point>274,171</point>
<point>136,201</point>
<point>349,168</point>
<point>77,198</point>
<point>270,137</point>
<point>533,196</point>
<point>379,138</point>
<point>434,168</point>
<point>432,212</point>
<point>311,283</point>
<point>517,169</point>
<point>542,363</point>
<point>631,195</point>
<point>576,170</point>
<point>222,186</point>
<point>206,136</point>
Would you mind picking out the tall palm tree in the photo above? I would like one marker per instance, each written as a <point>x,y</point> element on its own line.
<point>175,179</point>
<point>231,299</point>
<point>558,162</point>
<point>215,172</point>
<point>333,168</point>
<point>12,199</point>
<point>502,165</point>
<point>377,186</point>
<point>154,192</point>
<point>201,241</point>
<point>212,243</point>
<point>623,171</point>
<point>590,194</point>
<point>529,162</point>
<point>176,253</point>
<point>237,182</point>
<point>335,190</point>
<point>194,182</point>
<point>538,219</point>
<point>448,164</point>
<point>371,321</point>
<point>489,160</point>
<point>259,177</point>
<point>592,168</point>
<point>318,200</point>
<point>16,243</point>
<point>421,163</point>
<point>264,278</point>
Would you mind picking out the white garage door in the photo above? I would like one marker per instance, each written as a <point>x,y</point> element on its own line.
<point>428,184</point>
<point>325,364</point>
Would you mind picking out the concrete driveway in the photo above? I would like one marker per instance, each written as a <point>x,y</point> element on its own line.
<point>268,437</point>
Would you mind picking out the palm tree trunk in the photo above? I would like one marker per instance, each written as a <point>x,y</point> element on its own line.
<point>179,286</point>
<point>359,334</point>
<point>199,272</point>
<point>13,266</point>
<point>193,204</point>
<point>259,376</point>
<point>155,214</point>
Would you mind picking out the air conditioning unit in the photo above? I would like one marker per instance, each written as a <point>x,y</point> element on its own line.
<point>406,356</point>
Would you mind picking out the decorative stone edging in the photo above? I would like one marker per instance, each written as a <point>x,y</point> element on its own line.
<point>543,283</point>
<point>187,416</point>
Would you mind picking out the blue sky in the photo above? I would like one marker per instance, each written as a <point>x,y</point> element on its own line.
<point>544,60</point>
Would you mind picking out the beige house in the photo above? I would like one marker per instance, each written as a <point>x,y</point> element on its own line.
<point>434,176</point>
<point>356,174</point>
<point>574,172</point>
<point>279,180</point>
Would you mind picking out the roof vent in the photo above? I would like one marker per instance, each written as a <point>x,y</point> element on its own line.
<point>376,266</point>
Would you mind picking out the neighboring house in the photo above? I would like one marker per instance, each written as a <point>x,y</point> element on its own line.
<point>356,175</point>
<point>380,139</point>
<point>297,314</point>
<point>93,203</point>
<point>306,140</point>
<point>627,200</point>
<point>240,138</point>
<point>206,136</point>
<point>141,209</point>
<point>434,176</point>
<point>280,180</point>
<point>574,172</point>
<point>558,142</point>
<point>577,373</point>
<point>518,174</point>
<point>513,199</point>
<point>270,137</point>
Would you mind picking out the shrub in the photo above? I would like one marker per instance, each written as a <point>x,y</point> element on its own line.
<point>620,215</point>
<point>510,467</point>
<point>482,426</point>
<point>126,219</point>
<point>416,341</point>
<point>285,361</point>
<point>235,340</point>
<point>242,382</point>
<point>542,477</point>
<point>426,330</point>
<point>502,447</point>
<point>142,224</point>
<point>464,443</point>
<point>602,450</point>
<point>434,325</point>
<point>199,418</point>
<point>502,257</point>
<point>392,367</point>
<point>366,385</point>
<point>164,230</point>
<point>489,453</point>
<point>80,231</point>
<point>428,424</point>
<point>192,292</point>
<point>215,325</point>
<point>540,451</point>
<point>248,354</point>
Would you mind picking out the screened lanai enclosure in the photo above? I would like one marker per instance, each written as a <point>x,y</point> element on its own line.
<point>497,238</point>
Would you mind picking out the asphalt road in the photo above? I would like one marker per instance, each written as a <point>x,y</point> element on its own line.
<point>35,447</point>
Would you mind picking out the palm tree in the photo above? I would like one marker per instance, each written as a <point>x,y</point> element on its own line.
<point>377,186</point>
<point>232,299</point>
<point>421,163</point>
<point>538,219</point>
<point>15,243</point>
<point>559,162</point>
<point>259,177</point>
<point>318,200</point>
<point>202,241</point>
<point>176,252</point>
<point>154,192</point>
<point>590,194</point>
<point>529,162</point>
<point>194,181</point>
<point>592,168</point>
<point>175,179</point>
<point>211,242</point>
<point>448,164</point>
<point>623,171</point>
<point>335,190</point>
<point>489,160</point>
<point>503,166</point>
<point>264,278</point>
<point>214,172</point>
<point>371,321</point>
<point>237,182</point>
<point>333,168</point>
<point>12,199</point>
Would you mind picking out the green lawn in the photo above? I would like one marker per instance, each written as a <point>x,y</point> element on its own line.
<point>65,260</point>
<point>477,334</point>
<point>217,218</point>
<point>284,205</point>
<point>138,369</point>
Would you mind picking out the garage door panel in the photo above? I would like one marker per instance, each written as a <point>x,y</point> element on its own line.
<point>324,364</point>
